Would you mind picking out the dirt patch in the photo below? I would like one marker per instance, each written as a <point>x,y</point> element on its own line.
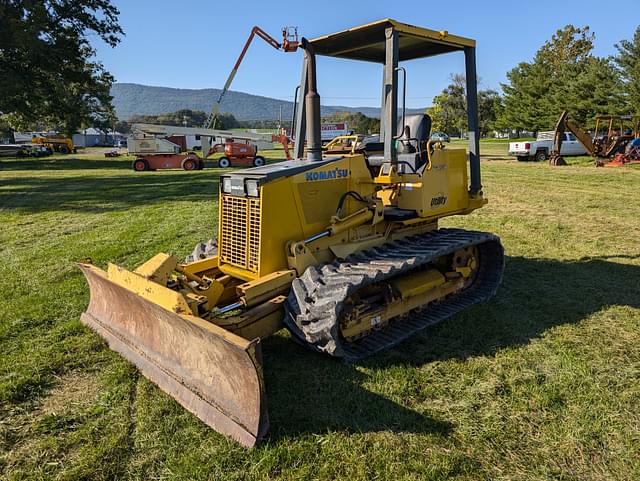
<point>38,437</point>
<point>73,391</point>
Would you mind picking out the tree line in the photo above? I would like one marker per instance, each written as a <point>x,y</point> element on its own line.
<point>563,75</point>
<point>194,118</point>
<point>49,78</point>
<point>357,121</point>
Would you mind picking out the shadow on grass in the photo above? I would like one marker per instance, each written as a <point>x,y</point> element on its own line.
<point>69,163</point>
<point>490,157</point>
<point>535,295</point>
<point>95,193</point>
<point>310,393</point>
<point>74,163</point>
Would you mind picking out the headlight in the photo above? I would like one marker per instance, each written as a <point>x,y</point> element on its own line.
<point>252,188</point>
<point>226,185</point>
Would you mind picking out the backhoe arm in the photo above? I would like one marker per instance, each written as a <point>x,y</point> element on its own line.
<point>581,135</point>
<point>565,123</point>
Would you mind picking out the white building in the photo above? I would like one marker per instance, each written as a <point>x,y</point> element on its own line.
<point>92,137</point>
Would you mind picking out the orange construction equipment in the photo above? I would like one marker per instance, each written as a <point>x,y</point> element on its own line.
<point>289,43</point>
<point>243,154</point>
<point>629,157</point>
<point>186,161</point>
<point>237,154</point>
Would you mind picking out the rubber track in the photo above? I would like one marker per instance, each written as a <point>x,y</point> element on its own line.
<point>317,298</point>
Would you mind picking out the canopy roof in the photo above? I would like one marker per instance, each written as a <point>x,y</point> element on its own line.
<point>367,42</point>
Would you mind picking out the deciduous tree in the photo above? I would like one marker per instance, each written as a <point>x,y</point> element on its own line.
<point>357,121</point>
<point>449,110</point>
<point>47,70</point>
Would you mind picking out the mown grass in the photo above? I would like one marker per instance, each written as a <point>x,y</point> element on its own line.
<point>543,382</point>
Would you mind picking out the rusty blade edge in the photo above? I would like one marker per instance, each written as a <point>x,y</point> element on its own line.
<point>208,413</point>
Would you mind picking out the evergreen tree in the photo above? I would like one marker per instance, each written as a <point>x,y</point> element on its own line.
<point>563,75</point>
<point>586,90</point>
<point>628,63</point>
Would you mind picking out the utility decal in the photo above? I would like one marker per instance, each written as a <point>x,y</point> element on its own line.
<point>327,174</point>
<point>439,200</point>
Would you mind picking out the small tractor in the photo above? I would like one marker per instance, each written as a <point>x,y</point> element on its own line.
<point>344,250</point>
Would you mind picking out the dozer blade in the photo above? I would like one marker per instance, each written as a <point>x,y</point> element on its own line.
<point>213,373</point>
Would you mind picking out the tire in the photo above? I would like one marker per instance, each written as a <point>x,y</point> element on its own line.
<point>258,161</point>
<point>541,156</point>
<point>224,162</point>
<point>190,164</point>
<point>203,250</point>
<point>63,149</point>
<point>201,165</point>
<point>140,165</point>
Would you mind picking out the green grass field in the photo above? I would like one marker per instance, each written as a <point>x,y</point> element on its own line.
<point>541,383</point>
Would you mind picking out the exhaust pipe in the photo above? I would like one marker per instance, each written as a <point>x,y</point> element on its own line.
<point>312,105</point>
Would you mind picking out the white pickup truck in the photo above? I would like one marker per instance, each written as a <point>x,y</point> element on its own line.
<point>541,148</point>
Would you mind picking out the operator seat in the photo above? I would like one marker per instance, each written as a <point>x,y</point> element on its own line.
<point>411,146</point>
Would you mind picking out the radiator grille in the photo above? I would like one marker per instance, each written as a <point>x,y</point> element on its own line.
<point>240,237</point>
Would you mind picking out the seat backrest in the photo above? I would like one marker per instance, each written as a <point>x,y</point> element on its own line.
<point>416,132</point>
<point>419,127</point>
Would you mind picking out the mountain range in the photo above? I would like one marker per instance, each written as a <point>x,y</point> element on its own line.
<point>135,99</point>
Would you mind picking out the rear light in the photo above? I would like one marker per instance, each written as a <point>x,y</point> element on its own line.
<point>527,146</point>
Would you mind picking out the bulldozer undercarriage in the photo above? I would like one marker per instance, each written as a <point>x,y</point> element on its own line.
<point>377,298</point>
<point>373,307</point>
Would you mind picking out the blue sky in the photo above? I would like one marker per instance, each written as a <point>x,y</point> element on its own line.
<point>194,43</point>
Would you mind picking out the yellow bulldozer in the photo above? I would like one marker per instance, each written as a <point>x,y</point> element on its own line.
<point>343,250</point>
